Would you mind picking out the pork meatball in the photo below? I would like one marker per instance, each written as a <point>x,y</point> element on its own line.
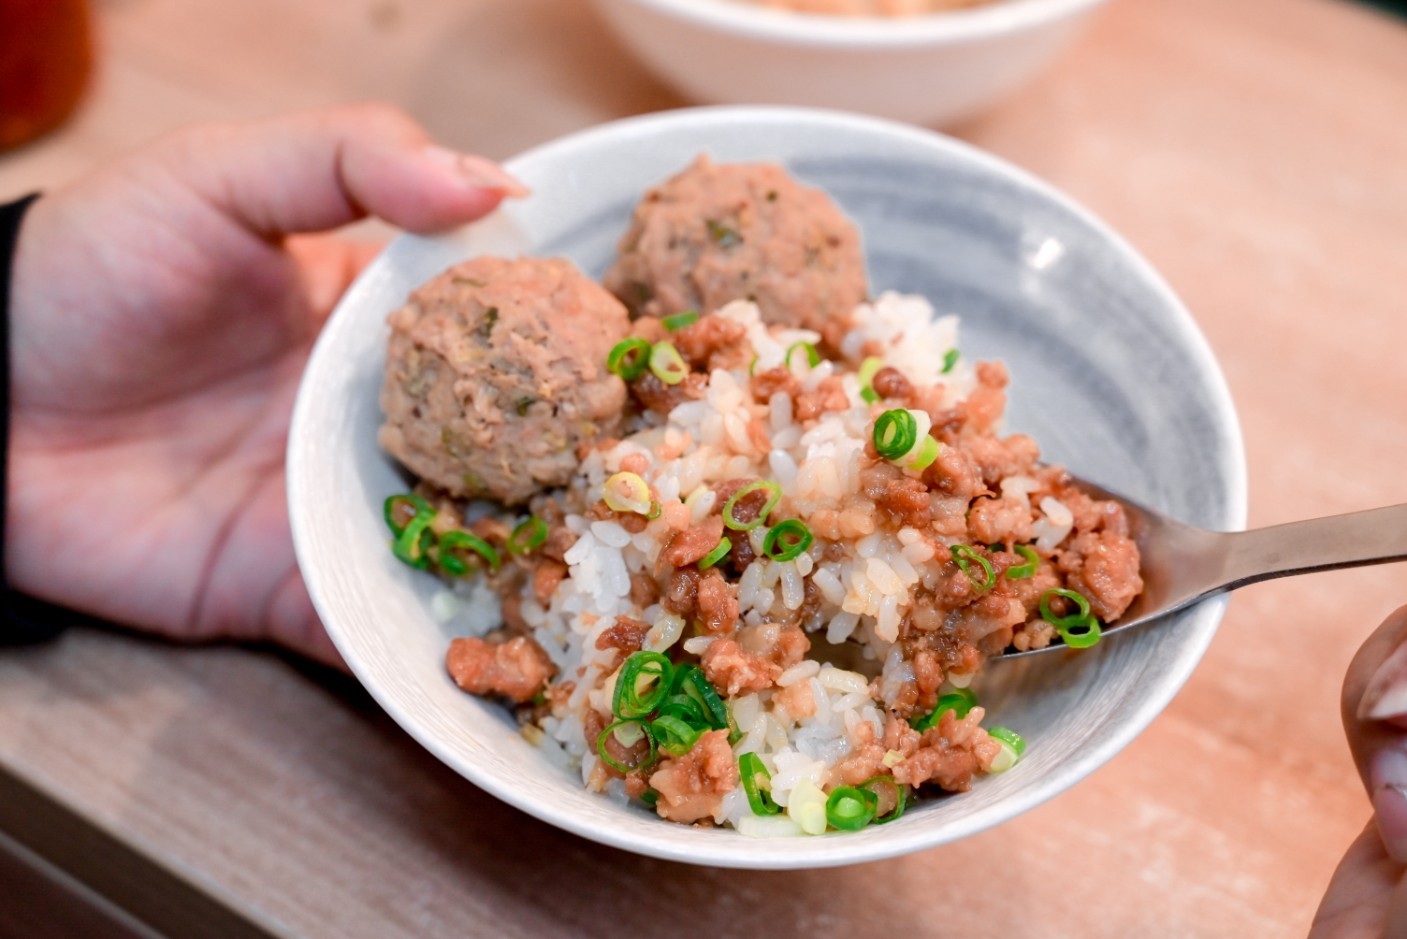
<point>496,373</point>
<point>740,231</point>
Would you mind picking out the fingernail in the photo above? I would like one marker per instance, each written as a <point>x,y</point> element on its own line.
<point>477,171</point>
<point>1386,694</point>
<point>1388,774</point>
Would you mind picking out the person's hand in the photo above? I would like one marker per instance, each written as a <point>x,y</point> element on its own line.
<point>160,319</point>
<point>1368,894</point>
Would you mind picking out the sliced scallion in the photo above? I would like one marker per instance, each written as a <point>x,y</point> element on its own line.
<point>527,535</point>
<point>719,552</point>
<point>615,764</point>
<point>673,735</point>
<point>627,492</point>
<point>1080,629</point>
<point>1013,747</point>
<point>629,357</point>
<point>687,709</point>
<point>900,794</point>
<point>415,540</point>
<point>667,364</point>
<point>401,510</point>
<point>813,358</point>
<point>950,358</point>
<point>680,320</point>
<point>690,680</point>
<point>642,684</point>
<point>757,784</point>
<point>458,548</point>
<point>895,433</point>
<point>787,540</point>
<point>969,562</point>
<point>927,452</point>
<point>960,702</point>
<point>1075,597</point>
<point>868,369</point>
<point>849,808</point>
<point>731,507</point>
<point>1081,635</point>
<point>1022,571</point>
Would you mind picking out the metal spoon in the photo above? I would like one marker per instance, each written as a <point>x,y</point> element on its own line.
<point>1182,564</point>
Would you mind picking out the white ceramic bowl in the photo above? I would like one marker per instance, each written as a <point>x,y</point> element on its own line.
<point>1109,372</point>
<point>933,69</point>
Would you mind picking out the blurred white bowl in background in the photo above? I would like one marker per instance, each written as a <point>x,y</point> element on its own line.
<point>933,69</point>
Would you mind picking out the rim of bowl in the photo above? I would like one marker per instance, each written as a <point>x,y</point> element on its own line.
<point>809,853</point>
<point>951,27</point>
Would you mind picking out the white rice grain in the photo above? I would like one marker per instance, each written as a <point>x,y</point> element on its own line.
<point>799,671</point>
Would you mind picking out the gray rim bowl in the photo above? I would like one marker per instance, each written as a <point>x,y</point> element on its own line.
<point>1109,373</point>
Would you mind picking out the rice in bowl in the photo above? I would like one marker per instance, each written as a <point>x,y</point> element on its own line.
<point>798,551</point>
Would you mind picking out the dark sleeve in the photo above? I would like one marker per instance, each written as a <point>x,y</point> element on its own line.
<point>26,619</point>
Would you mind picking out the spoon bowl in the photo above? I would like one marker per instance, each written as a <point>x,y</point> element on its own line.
<point>1182,564</point>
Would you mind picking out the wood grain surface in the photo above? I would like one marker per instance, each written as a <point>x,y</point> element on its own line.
<point>1253,150</point>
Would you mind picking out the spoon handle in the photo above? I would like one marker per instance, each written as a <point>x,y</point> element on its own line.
<point>1375,536</point>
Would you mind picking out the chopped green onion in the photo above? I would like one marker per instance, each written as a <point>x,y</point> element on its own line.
<point>1079,630</point>
<point>642,684</point>
<point>719,552</point>
<point>787,540</point>
<point>454,543</point>
<point>1081,635</point>
<point>630,732</point>
<point>850,809</point>
<point>673,735</point>
<point>1022,571</point>
<point>960,702</point>
<point>813,358</point>
<point>627,492</point>
<point>690,680</point>
<point>757,784</point>
<point>656,510</point>
<point>628,358</point>
<point>1013,747</point>
<point>680,320</point>
<point>901,436</point>
<point>928,450</point>
<point>527,536</point>
<point>650,797</point>
<point>806,805</point>
<point>950,358</point>
<point>1062,622</point>
<point>868,369</point>
<point>415,540</point>
<point>895,433</point>
<point>901,796</point>
<point>966,558</point>
<point>774,495</point>
<point>616,764</point>
<point>687,709</point>
<point>401,510</point>
<point>667,364</point>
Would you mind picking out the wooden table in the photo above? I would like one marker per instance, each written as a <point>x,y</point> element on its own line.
<point>1254,150</point>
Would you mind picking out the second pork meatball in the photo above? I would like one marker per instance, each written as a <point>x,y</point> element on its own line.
<point>496,372</point>
<point>740,231</point>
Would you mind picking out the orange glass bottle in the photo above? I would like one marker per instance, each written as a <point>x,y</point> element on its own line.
<point>46,59</point>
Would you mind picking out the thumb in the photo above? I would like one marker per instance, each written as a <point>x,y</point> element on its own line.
<point>1374,708</point>
<point>319,170</point>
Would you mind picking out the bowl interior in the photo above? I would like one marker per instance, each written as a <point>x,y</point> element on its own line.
<point>1109,373</point>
